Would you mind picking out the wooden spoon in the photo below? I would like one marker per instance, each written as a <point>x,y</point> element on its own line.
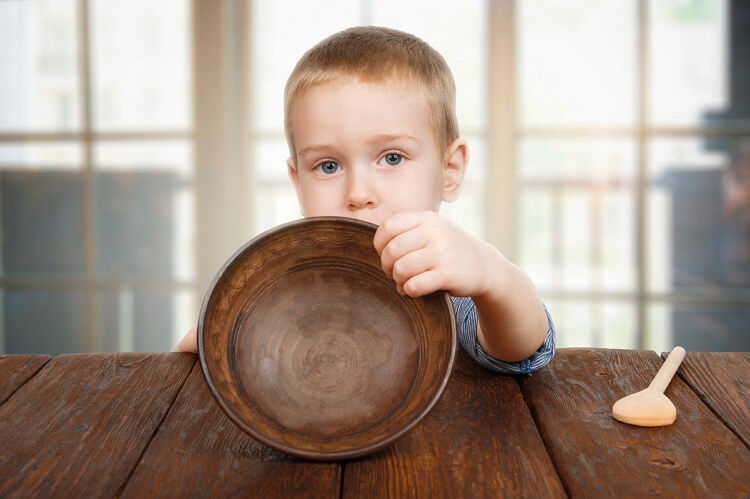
<point>650,407</point>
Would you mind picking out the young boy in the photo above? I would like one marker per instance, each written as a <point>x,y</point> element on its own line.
<point>372,134</point>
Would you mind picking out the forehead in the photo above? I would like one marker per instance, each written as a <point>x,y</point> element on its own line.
<point>365,107</point>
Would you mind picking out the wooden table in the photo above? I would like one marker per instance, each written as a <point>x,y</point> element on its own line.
<point>146,424</point>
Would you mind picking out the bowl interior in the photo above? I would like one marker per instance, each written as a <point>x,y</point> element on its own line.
<point>307,345</point>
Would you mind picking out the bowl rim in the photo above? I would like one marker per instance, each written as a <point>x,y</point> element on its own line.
<point>308,454</point>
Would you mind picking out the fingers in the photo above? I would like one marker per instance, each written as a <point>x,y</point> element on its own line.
<point>423,284</point>
<point>400,246</point>
<point>409,267</point>
<point>412,248</point>
<point>395,225</point>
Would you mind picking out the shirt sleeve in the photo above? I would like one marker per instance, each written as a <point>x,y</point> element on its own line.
<point>466,324</point>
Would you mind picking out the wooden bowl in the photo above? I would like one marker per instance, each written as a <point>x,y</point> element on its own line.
<point>308,347</point>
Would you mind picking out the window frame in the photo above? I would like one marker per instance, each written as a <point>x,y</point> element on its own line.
<point>642,134</point>
<point>223,142</point>
<point>90,284</point>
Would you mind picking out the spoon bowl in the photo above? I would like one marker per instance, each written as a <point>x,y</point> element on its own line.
<point>650,407</point>
<point>645,408</point>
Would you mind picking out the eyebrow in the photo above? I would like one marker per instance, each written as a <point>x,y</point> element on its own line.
<point>315,148</point>
<point>383,137</point>
<point>387,137</point>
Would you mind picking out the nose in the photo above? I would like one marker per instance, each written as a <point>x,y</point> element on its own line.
<point>361,190</point>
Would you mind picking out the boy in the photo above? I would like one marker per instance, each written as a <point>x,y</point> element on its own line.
<point>369,115</point>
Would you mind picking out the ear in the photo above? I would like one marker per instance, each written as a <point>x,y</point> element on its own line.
<point>291,170</point>
<point>454,169</point>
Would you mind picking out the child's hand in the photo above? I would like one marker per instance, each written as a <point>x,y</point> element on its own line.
<point>424,252</point>
<point>189,343</point>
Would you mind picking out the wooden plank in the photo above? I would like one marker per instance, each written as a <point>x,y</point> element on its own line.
<point>595,455</point>
<point>199,451</point>
<point>479,440</point>
<point>15,370</point>
<point>721,381</point>
<point>80,425</point>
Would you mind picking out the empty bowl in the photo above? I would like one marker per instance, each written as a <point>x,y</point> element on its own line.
<point>309,348</point>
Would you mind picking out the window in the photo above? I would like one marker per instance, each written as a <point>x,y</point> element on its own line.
<point>96,196</point>
<point>633,133</point>
<point>141,144</point>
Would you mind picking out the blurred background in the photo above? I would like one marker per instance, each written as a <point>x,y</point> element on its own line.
<point>141,144</point>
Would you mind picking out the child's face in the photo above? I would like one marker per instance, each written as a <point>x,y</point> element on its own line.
<point>365,151</point>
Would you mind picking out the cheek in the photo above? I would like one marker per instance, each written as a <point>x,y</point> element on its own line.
<point>318,200</point>
<point>415,195</point>
<point>312,205</point>
<point>427,189</point>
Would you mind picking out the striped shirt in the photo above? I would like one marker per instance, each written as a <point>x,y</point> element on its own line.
<point>466,324</point>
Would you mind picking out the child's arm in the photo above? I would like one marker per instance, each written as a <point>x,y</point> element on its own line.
<point>423,252</point>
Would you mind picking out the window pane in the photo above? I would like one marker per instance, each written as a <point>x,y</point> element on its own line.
<point>42,155</point>
<point>144,321</point>
<point>573,322</point>
<point>44,321</point>
<point>270,161</point>
<point>441,23</point>
<point>577,208</point>
<point>173,156</point>
<point>42,222</point>
<point>658,334</point>
<point>141,64</point>
<point>275,200</point>
<point>607,163</point>
<point>275,203</point>
<point>699,216</point>
<point>468,211</point>
<point>701,328</point>
<point>616,322</point>
<point>38,65</point>
<point>582,323</point>
<point>698,65</point>
<point>576,63</point>
<point>476,172</point>
<point>617,251</point>
<point>577,239</point>
<point>278,40</point>
<point>145,210</point>
<point>538,220</point>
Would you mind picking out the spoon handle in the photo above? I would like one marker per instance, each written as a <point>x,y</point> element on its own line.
<point>665,374</point>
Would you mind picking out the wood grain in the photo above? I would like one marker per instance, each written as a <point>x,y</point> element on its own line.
<point>15,370</point>
<point>80,425</point>
<point>721,381</point>
<point>479,440</point>
<point>199,451</point>
<point>595,455</point>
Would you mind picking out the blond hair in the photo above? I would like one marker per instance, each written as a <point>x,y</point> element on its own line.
<point>375,54</point>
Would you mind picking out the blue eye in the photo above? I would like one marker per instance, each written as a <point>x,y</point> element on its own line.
<point>328,167</point>
<point>393,159</point>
